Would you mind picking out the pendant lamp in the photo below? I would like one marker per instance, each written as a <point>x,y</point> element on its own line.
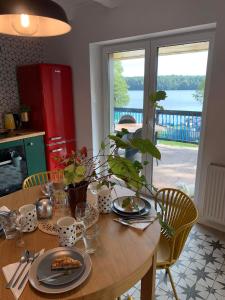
<point>34,18</point>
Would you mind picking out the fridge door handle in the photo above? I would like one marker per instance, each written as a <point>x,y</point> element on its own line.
<point>55,138</point>
<point>56,150</point>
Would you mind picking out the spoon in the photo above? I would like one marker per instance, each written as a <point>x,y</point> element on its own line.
<point>29,255</point>
<point>23,258</point>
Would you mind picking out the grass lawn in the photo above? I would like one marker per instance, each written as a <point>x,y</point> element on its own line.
<point>176,144</point>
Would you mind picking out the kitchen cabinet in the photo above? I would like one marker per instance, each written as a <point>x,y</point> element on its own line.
<point>20,156</point>
<point>35,155</point>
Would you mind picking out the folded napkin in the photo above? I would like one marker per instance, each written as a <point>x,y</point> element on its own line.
<point>8,272</point>
<point>4,208</point>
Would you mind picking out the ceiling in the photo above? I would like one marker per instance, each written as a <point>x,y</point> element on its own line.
<point>70,5</point>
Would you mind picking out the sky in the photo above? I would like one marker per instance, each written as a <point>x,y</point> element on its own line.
<point>179,64</point>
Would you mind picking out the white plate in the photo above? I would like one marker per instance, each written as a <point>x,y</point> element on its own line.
<point>62,289</point>
<point>118,204</point>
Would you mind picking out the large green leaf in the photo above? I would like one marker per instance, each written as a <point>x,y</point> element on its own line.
<point>125,170</point>
<point>119,142</point>
<point>145,146</point>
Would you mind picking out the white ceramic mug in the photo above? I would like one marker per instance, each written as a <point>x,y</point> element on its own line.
<point>29,217</point>
<point>67,231</point>
<point>104,200</point>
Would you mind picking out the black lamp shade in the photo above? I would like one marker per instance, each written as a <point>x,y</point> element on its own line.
<point>47,18</point>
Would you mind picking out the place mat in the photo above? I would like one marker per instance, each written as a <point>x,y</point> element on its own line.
<point>49,225</point>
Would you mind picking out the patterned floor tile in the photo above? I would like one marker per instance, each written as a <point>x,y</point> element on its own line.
<point>191,291</point>
<point>198,274</point>
<point>202,275</point>
<point>162,279</point>
<point>164,294</point>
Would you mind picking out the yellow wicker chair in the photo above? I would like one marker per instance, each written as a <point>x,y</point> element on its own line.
<point>41,178</point>
<point>181,214</point>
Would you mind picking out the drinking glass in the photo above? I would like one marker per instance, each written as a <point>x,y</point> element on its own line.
<point>47,189</point>
<point>60,202</point>
<point>82,211</point>
<point>13,225</point>
<point>90,239</point>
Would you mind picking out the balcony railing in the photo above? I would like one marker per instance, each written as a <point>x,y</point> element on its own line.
<point>180,126</point>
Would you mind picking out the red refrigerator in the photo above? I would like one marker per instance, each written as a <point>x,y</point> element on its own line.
<point>47,90</point>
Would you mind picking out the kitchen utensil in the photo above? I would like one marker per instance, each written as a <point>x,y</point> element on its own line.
<point>135,221</point>
<point>44,267</point>
<point>31,260</point>
<point>50,278</point>
<point>29,255</point>
<point>9,122</point>
<point>44,208</point>
<point>67,231</point>
<point>23,258</point>
<point>137,205</point>
<point>50,289</point>
<point>29,215</point>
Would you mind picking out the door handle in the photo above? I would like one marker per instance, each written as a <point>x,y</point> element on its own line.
<point>56,150</point>
<point>31,144</point>
<point>56,138</point>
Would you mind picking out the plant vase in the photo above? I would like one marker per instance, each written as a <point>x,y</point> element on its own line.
<point>77,194</point>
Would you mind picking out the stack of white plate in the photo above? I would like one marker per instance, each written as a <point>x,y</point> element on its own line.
<point>142,207</point>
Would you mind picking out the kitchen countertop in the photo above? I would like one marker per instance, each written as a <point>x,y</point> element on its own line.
<point>16,135</point>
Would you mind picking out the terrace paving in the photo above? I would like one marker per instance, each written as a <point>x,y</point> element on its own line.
<point>176,168</point>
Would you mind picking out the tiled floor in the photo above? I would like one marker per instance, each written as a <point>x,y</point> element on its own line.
<point>198,274</point>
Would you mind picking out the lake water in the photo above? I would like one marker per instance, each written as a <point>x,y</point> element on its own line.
<point>176,100</point>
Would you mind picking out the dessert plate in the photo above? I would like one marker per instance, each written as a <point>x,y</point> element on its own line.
<point>50,289</point>
<point>44,268</point>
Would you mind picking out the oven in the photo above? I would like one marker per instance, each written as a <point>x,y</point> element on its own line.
<point>13,167</point>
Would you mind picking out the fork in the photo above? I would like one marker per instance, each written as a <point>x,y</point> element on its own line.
<point>31,260</point>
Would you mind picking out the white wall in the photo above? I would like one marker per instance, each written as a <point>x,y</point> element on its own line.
<point>137,17</point>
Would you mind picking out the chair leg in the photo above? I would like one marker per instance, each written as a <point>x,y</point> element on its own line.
<point>172,283</point>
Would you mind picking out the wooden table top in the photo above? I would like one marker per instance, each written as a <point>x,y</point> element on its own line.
<point>122,259</point>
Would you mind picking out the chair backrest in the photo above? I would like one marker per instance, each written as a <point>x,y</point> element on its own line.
<point>127,119</point>
<point>41,178</point>
<point>180,212</point>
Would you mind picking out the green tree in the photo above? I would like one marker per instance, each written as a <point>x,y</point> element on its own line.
<point>199,93</point>
<point>121,97</point>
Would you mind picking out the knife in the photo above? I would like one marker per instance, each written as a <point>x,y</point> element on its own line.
<point>54,276</point>
<point>27,273</point>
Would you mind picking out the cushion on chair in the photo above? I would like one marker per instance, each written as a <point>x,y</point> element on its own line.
<point>163,252</point>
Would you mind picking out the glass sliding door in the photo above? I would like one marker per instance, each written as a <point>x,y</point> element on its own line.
<point>178,65</point>
<point>181,72</point>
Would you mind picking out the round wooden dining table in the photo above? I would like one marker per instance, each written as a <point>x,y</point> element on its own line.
<point>125,255</point>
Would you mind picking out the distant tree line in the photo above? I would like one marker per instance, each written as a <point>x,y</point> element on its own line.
<point>168,82</point>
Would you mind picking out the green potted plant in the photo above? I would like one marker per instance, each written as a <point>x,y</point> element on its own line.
<point>108,168</point>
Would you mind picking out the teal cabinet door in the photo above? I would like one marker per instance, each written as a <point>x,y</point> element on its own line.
<point>35,155</point>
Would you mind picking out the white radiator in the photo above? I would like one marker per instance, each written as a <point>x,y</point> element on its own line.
<point>214,200</point>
